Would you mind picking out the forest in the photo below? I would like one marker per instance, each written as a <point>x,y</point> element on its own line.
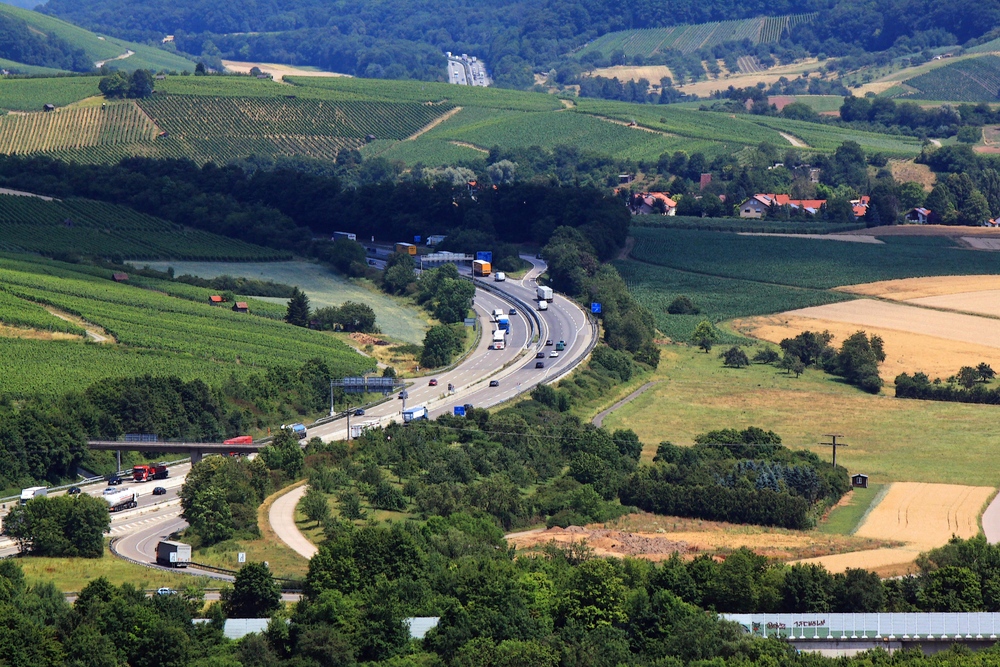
<point>386,39</point>
<point>20,42</point>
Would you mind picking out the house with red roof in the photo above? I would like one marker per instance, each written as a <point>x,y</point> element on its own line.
<point>918,215</point>
<point>860,206</point>
<point>759,205</point>
<point>652,203</point>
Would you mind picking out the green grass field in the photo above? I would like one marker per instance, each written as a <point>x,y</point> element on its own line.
<point>73,574</point>
<point>82,226</point>
<point>32,94</point>
<point>101,48</point>
<point>324,288</point>
<point>844,520</point>
<point>889,439</point>
<point>154,333</point>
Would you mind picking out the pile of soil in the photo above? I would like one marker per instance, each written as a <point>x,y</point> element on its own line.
<point>368,339</point>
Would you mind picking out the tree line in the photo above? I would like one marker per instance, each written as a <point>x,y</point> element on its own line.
<point>968,385</point>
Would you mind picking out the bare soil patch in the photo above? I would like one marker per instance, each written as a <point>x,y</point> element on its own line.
<point>924,516</point>
<point>278,71</point>
<point>906,352</point>
<point>908,170</point>
<point>434,123</point>
<point>981,242</point>
<point>34,334</point>
<point>654,537</point>
<point>928,230</point>
<point>986,302</point>
<point>849,238</point>
<point>795,141</point>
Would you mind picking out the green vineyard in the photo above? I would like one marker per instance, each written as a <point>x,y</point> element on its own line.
<point>31,224</point>
<point>32,94</point>
<point>116,124</point>
<point>971,80</point>
<point>153,332</point>
<point>690,38</point>
<point>17,312</point>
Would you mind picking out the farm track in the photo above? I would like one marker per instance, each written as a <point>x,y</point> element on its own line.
<point>434,123</point>
<point>466,144</point>
<point>637,126</point>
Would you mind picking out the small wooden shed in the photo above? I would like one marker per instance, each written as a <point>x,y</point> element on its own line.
<point>215,299</point>
<point>119,277</point>
<point>859,481</point>
<point>49,107</point>
<point>241,307</point>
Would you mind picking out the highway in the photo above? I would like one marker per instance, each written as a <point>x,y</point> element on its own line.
<point>513,367</point>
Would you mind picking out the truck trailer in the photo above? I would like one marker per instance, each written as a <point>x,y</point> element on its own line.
<point>344,235</point>
<point>504,324</point>
<point>298,429</point>
<point>414,414</point>
<point>499,341</point>
<point>544,293</point>
<point>122,500</point>
<point>481,268</point>
<point>33,492</point>
<point>144,473</point>
<point>406,248</point>
<point>173,554</point>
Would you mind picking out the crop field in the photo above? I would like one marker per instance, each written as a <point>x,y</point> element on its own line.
<point>32,94</point>
<point>155,333</point>
<point>245,86</point>
<point>748,225</point>
<point>323,288</point>
<point>689,38</point>
<point>30,224</point>
<point>923,516</point>
<point>34,70</point>
<point>119,123</point>
<point>969,80</point>
<point>829,137</point>
<point>389,90</point>
<point>431,152</point>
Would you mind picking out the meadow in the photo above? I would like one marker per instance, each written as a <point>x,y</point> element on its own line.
<point>324,288</point>
<point>32,94</point>
<point>897,440</point>
<point>81,226</point>
<point>154,333</point>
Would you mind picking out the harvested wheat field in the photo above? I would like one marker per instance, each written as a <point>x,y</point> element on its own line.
<point>986,302</point>
<point>656,538</point>
<point>907,289</point>
<point>924,516</point>
<point>906,352</point>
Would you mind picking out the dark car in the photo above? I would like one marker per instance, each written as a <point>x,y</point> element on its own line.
<point>539,355</point>
<point>539,364</point>
<point>73,490</point>
<point>512,311</point>
<point>548,342</point>
<point>359,413</point>
<point>494,383</point>
<point>467,406</point>
<point>432,383</point>
<point>159,491</point>
<point>114,480</point>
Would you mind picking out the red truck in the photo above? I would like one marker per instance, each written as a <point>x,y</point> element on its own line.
<point>238,440</point>
<point>144,473</point>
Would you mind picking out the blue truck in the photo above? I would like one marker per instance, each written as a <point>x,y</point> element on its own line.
<point>504,324</point>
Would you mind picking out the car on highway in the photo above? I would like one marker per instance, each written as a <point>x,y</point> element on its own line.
<point>539,364</point>
<point>432,383</point>
<point>114,479</point>
<point>512,311</point>
<point>73,490</point>
<point>467,406</point>
<point>159,491</point>
<point>540,355</point>
<point>108,491</point>
<point>359,413</point>
<point>553,354</point>
<point>165,591</point>
<point>494,383</point>
<point>548,342</point>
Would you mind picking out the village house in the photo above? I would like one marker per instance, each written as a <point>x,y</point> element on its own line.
<point>759,205</point>
<point>860,206</point>
<point>652,203</point>
<point>241,307</point>
<point>920,216</point>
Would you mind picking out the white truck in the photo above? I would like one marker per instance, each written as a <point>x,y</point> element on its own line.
<point>497,314</point>
<point>499,276</point>
<point>173,554</point>
<point>499,339</point>
<point>121,500</point>
<point>543,304</point>
<point>544,293</point>
<point>33,492</point>
<point>357,430</point>
<point>414,414</point>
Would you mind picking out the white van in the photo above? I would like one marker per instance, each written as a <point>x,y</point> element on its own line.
<point>543,305</point>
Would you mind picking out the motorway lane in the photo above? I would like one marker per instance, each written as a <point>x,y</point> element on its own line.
<point>474,372</point>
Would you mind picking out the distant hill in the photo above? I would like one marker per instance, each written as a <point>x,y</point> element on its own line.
<point>29,40</point>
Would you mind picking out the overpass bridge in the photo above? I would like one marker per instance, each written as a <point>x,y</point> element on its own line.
<point>196,450</point>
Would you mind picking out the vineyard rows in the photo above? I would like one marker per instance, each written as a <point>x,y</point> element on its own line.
<point>20,313</point>
<point>29,224</point>
<point>829,137</point>
<point>74,128</point>
<point>972,80</point>
<point>151,322</point>
<point>33,94</point>
<point>690,38</point>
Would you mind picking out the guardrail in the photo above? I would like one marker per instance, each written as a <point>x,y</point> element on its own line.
<point>534,321</point>
<point>595,335</point>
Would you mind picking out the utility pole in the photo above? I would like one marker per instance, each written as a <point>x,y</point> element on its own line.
<point>331,397</point>
<point>834,444</point>
<point>348,423</point>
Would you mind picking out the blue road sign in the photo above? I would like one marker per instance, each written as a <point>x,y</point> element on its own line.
<point>416,239</point>
<point>485,256</point>
<point>595,308</point>
<point>459,410</point>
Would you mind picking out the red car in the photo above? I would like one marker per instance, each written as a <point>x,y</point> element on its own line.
<point>432,383</point>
